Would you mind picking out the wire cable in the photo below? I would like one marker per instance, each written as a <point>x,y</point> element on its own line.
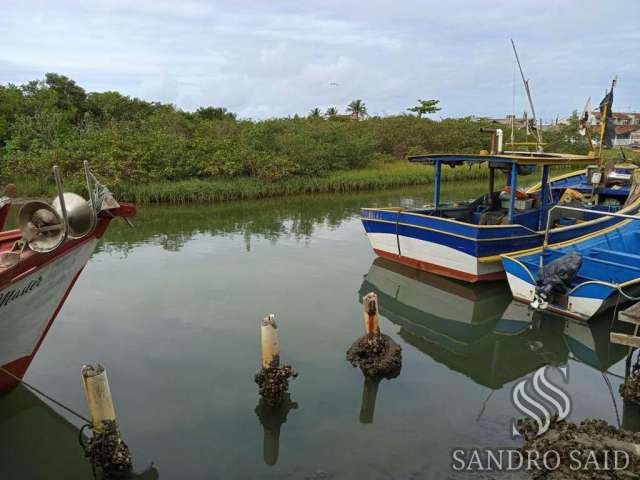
<point>42,394</point>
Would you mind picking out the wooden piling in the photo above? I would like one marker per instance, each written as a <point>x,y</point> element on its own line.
<point>105,449</point>
<point>98,395</point>
<point>370,306</point>
<point>269,340</point>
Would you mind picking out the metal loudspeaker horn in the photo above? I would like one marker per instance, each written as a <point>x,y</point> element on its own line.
<point>41,226</point>
<point>81,218</point>
<point>78,214</point>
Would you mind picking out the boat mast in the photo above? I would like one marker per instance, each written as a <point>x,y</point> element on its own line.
<point>528,91</point>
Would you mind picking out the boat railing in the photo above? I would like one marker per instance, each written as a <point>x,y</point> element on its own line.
<point>583,210</point>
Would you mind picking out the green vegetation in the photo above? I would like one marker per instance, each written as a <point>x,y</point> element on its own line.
<point>154,152</point>
<point>425,107</point>
<point>331,112</point>
<point>384,176</point>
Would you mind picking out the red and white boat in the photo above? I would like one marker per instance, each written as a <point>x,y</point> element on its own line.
<point>39,264</point>
<point>5,205</point>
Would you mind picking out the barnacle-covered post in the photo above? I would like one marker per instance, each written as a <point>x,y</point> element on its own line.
<point>375,353</point>
<point>105,449</point>
<point>272,378</point>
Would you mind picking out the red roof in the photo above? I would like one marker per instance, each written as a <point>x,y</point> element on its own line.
<point>622,129</point>
<point>621,115</point>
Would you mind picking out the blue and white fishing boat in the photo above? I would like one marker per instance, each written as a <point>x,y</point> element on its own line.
<point>583,277</point>
<point>465,240</point>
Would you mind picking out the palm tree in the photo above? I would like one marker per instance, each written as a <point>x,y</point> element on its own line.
<point>357,108</point>
<point>315,113</point>
<point>331,112</point>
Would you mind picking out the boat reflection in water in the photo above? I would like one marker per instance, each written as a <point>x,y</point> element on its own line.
<point>39,443</point>
<point>477,330</point>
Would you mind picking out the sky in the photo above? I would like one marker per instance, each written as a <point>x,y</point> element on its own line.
<point>276,58</point>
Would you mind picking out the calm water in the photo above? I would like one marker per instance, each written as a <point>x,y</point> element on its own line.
<point>172,309</point>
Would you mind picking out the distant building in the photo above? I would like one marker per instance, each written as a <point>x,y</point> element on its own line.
<point>509,119</point>
<point>627,127</point>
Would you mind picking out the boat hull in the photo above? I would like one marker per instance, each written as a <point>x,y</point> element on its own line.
<point>582,303</point>
<point>30,304</point>
<point>458,265</point>
<point>33,292</point>
<point>464,251</point>
<point>5,204</point>
<point>609,266</point>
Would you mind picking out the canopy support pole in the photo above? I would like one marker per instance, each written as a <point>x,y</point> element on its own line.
<point>436,189</point>
<point>514,185</point>
<point>544,193</point>
<point>492,184</point>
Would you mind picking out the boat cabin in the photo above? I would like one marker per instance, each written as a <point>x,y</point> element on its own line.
<point>512,205</point>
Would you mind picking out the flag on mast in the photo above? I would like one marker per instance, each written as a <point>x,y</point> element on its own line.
<point>606,117</point>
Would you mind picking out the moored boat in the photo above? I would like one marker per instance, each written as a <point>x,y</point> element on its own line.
<point>5,205</point>
<point>465,240</point>
<point>581,278</point>
<point>39,264</point>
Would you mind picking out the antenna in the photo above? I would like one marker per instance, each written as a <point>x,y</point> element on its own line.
<point>526,88</point>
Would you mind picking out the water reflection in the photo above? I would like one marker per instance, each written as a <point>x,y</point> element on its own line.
<point>38,441</point>
<point>272,418</point>
<point>369,395</point>
<point>171,227</point>
<point>478,331</point>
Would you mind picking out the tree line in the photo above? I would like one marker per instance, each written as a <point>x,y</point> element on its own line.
<point>54,121</point>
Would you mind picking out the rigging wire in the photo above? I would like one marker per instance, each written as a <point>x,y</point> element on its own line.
<point>48,397</point>
<point>613,398</point>
<point>513,106</point>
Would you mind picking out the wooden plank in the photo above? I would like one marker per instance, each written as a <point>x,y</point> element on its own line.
<point>624,339</point>
<point>631,314</point>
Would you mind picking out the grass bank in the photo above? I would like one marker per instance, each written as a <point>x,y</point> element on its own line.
<point>379,177</point>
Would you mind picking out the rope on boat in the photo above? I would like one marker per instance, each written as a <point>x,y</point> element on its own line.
<point>48,397</point>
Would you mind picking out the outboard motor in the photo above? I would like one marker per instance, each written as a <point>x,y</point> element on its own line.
<point>556,278</point>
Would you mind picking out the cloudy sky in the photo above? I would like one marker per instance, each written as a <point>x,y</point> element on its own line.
<point>281,57</point>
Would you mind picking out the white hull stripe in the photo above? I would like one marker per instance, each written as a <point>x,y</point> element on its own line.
<point>433,253</point>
